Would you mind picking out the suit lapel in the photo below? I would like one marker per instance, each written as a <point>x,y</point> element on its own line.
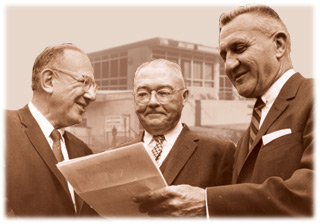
<point>243,144</point>
<point>41,145</point>
<point>180,153</point>
<point>281,103</point>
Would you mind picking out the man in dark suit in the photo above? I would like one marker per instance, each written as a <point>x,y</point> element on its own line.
<point>184,156</point>
<point>273,171</point>
<point>63,86</point>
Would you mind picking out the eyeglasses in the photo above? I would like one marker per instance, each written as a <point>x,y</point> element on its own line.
<point>86,81</point>
<point>162,95</point>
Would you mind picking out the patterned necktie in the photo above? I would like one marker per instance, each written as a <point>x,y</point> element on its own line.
<point>255,120</point>
<point>156,151</point>
<point>56,146</point>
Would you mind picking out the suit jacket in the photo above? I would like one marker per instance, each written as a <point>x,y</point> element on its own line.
<point>197,160</point>
<point>34,185</point>
<point>274,179</point>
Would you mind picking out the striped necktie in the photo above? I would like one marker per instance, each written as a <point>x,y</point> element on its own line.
<point>255,120</point>
<point>56,146</point>
<point>157,150</point>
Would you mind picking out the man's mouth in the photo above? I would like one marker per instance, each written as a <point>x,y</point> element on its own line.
<point>238,76</point>
<point>82,106</point>
<point>154,114</point>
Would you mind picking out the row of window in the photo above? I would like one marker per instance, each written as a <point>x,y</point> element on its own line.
<point>114,68</point>
<point>111,71</point>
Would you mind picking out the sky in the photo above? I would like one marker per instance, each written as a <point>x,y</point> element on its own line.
<point>30,27</point>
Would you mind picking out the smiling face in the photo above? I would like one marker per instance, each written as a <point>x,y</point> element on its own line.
<point>159,118</point>
<point>250,55</point>
<point>69,99</point>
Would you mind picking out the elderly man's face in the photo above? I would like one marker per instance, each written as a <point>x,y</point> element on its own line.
<point>155,116</point>
<point>250,56</point>
<point>70,97</point>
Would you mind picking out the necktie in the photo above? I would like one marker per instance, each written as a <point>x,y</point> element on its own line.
<point>156,151</point>
<point>56,146</point>
<point>255,120</point>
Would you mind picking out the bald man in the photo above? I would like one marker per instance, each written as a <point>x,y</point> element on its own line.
<point>183,156</point>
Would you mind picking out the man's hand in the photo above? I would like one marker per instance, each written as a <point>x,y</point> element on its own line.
<point>180,200</point>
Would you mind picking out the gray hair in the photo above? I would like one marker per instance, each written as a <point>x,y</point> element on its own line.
<point>48,57</point>
<point>156,62</point>
<point>271,20</point>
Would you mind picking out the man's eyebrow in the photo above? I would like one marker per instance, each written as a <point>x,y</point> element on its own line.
<point>159,87</point>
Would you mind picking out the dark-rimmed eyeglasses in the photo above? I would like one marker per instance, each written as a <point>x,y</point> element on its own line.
<point>162,95</point>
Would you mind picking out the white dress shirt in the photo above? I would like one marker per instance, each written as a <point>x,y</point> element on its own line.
<point>170,139</point>
<point>46,128</point>
<point>272,93</point>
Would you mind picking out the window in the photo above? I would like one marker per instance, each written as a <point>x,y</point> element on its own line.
<point>114,68</point>
<point>186,69</point>
<point>123,81</point>
<point>123,67</point>
<point>197,83</point>
<point>114,82</point>
<point>208,71</point>
<point>105,69</point>
<point>105,82</point>
<point>197,70</point>
<point>97,70</point>
<point>209,84</point>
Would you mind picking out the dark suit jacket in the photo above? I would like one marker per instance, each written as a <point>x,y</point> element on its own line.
<point>274,179</point>
<point>34,185</point>
<point>197,160</point>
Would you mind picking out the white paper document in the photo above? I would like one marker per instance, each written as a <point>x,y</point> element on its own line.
<point>109,180</point>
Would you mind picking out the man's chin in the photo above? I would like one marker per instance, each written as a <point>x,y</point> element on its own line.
<point>75,120</point>
<point>245,92</point>
<point>156,127</point>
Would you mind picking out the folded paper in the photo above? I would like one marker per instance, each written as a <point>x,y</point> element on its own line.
<point>108,181</point>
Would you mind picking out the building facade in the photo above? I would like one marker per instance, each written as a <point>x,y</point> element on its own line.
<point>202,67</point>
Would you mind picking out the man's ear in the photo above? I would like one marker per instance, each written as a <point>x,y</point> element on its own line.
<point>281,43</point>
<point>185,95</point>
<point>46,81</point>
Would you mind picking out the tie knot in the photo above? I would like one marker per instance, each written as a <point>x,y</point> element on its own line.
<point>259,104</point>
<point>159,138</point>
<point>55,135</point>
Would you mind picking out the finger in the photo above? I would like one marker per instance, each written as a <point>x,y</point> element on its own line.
<point>155,195</point>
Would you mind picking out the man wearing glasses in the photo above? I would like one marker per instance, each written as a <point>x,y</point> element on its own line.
<point>183,156</point>
<point>63,86</point>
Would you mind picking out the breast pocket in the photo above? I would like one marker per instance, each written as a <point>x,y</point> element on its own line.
<point>286,141</point>
<point>281,157</point>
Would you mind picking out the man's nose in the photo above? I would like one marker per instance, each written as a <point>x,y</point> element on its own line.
<point>90,94</point>
<point>231,62</point>
<point>153,99</point>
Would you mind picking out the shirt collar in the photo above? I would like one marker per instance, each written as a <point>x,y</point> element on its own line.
<point>44,124</point>
<point>170,137</point>
<point>272,93</point>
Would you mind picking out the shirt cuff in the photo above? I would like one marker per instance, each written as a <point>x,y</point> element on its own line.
<point>207,210</point>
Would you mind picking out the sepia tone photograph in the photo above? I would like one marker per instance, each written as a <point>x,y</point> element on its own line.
<point>139,110</point>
